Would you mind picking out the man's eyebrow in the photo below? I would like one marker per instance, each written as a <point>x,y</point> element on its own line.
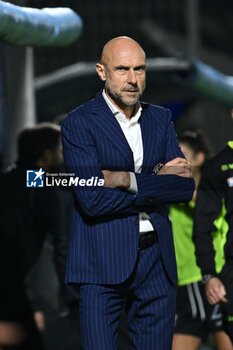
<point>121,66</point>
<point>140,66</point>
<point>127,67</point>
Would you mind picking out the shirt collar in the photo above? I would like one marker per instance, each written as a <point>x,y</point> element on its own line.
<point>119,115</point>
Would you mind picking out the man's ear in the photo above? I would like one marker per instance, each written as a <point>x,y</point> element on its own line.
<point>100,71</point>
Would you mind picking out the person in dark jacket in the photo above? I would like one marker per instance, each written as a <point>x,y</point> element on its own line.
<point>215,197</point>
<point>27,216</point>
<point>196,319</point>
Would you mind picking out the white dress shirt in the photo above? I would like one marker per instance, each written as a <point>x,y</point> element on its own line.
<point>132,131</point>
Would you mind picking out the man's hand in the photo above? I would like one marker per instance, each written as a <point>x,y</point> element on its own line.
<point>116,179</point>
<point>177,166</point>
<point>215,291</point>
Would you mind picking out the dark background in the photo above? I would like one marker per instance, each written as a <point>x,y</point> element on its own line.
<point>104,19</point>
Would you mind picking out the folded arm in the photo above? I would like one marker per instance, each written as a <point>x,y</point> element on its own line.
<point>173,183</point>
<point>163,187</point>
<point>81,158</point>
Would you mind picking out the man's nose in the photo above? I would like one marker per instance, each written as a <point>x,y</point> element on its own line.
<point>132,79</point>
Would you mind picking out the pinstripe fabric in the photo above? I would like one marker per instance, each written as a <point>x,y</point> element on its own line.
<point>105,233</point>
<point>150,307</point>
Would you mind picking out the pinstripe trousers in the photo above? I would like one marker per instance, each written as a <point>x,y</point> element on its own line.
<point>148,298</point>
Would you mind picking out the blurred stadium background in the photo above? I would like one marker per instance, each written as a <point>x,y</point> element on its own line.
<point>179,32</point>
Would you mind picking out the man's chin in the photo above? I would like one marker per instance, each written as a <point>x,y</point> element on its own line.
<point>130,101</point>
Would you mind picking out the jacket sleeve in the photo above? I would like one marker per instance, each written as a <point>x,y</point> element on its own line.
<point>153,189</point>
<point>208,205</point>
<point>81,159</point>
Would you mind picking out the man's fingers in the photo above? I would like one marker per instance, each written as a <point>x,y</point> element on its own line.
<point>181,170</point>
<point>211,300</point>
<point>177,166</point>
<point>215,291</point>
<point>176,161</point>
<point>223,294</point>
<point>212,297</point>
<point>224,300</point>
<point>186,174</point>
<point>175,170</point>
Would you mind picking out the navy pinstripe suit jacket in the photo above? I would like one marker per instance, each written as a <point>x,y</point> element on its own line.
<point>105,233</point>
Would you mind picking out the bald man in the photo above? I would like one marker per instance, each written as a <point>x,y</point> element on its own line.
<point>121,251</point>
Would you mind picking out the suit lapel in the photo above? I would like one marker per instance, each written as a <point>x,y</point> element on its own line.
<point>148,139</point>
<point>106,121</point>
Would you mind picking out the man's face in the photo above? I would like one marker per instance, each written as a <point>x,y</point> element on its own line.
<point>124,74</point>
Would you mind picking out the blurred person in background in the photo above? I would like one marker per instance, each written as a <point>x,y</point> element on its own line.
<point>215,195</point>
<point>195,317</point>
<point>28,215</point>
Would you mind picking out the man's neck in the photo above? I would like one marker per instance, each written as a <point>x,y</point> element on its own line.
<point>130,111</point>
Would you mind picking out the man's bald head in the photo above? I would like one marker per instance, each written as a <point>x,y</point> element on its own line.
<point>123,69</point>
<point>118,45</point>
